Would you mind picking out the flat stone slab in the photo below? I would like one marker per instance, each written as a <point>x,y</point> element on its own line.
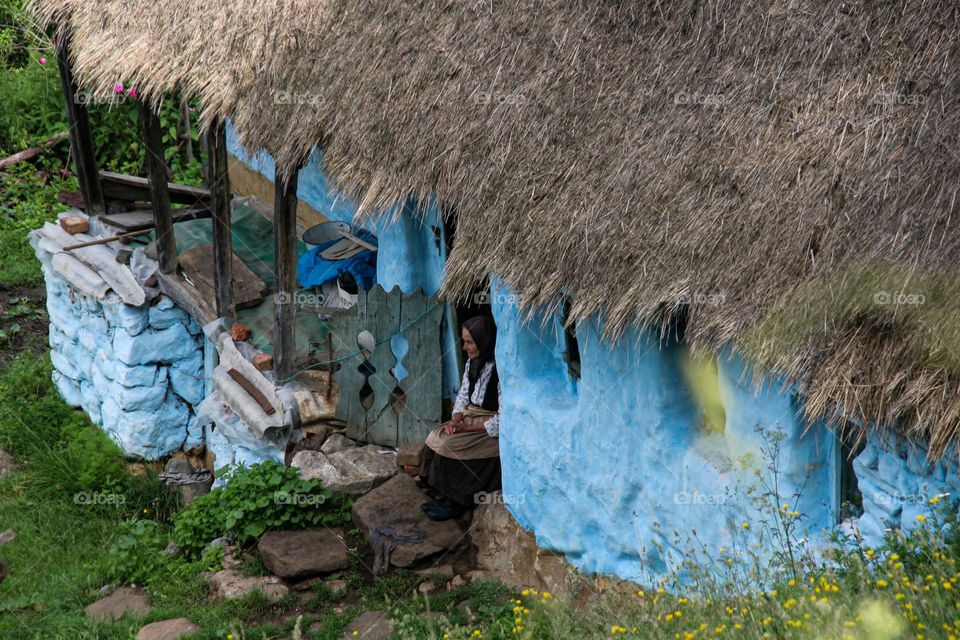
<point>369,625</point>
<point>354,471</point>
<point>122,601</point>
<point>300,554</point>
<point>7,463</point>
<point>396,505</point>
<point>167,629</point>
<point>229,584</point>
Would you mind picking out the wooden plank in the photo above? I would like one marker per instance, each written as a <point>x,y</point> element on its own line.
<point>423,362</point>
<point>344,329</point>
<point>81,140</point>
<point>218,183</point>
<point>142,220</point>
<point>197,264</point>
<point>119,186</point>
<point>33,152</point>
<point>383,321</point>
<point>252,391</point>
<point>186,296</point>
<point>159,193</point>
<point>285,272</point>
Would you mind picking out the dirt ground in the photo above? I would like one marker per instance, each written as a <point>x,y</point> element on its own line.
<point>23,321</point>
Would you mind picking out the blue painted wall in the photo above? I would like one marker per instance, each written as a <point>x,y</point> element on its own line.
<point>411,252</point>
<point>615,470</point>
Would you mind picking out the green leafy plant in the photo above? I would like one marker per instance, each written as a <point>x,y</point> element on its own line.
<point>137,551</point>
<point>256,499</point>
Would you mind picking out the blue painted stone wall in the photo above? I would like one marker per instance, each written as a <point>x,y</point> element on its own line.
<point>614,469</point>
<point>136,371</point>
<point>897,482</point>
<point>411,253</point>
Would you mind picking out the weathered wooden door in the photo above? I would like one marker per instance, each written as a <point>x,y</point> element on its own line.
<point>390,394</point>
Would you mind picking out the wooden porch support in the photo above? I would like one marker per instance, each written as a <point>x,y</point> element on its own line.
<point>159,192</point>
<point>81,141</point>
<point>218,183</point>
<point>285,272</point>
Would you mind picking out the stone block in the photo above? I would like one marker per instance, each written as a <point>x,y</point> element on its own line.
<point>134,320</point>
<point>144,375</point>
<point>396,504</point>
<point>194,434</point>
<point>163,346</point>
<point>353,471</point>
<point>165,314</point>
<point>228,584</point>
<point>409,454</point>
<point>123,601</point>
<point>186,384</point>
<point>68,388</point>
<point>300,554</point>
<point>138,398</point>
<point>889,465</point>
<point>81,359</point>
<point>149,435</point>
<point>167,630</point>
<point>511,555</point>
<point>369,625</point>
<point>337,442</point>
<point>90,402</point>
<point>65,366</point>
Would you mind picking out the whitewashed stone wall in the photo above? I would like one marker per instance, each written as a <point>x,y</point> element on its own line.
<point>136,371</point>
<point>897,482</point>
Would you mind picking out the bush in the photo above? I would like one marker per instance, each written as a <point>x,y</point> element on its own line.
<point>256,499</point>
<point>137,551</point>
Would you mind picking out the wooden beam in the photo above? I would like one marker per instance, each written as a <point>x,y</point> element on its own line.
<point>117,186</point>
<point>285,272</point>
<point>218,183</point>
<point>78,124</point>
<point>159,193</point>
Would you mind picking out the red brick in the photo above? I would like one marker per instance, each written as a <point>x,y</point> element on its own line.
<point>74,224</point>
<point>240,332</point>
<point>263,361</point>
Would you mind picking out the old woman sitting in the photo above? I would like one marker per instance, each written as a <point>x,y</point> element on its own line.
<point>462,457</point>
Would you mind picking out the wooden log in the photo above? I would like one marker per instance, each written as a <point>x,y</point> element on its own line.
<point>285,272</point>
<point>118,186</point>
<point>33,152</point>
<point>218,184</point>
<point>81,141</point>
<point>159,192</point>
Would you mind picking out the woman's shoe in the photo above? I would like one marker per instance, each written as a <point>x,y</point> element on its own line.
<point>446,512</point>
<point>427,507</point>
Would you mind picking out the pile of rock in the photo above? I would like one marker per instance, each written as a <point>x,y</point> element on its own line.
<point>342,466</point>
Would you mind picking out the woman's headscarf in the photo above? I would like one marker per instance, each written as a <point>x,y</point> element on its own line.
<point>484,334</point>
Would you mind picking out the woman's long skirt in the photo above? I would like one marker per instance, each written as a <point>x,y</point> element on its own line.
<point>460,480</point>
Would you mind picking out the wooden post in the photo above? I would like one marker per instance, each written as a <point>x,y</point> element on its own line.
<point>159,191</point>
<point>218,182</point>
<point>285,272</point>
<point>81,142</point>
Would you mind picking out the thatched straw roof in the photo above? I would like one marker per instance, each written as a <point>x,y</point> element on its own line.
<point>774,164</point>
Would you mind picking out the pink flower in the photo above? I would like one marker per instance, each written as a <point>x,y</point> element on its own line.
<point>133,93</point>
<point>42,61</point>
<point>118,88</point>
